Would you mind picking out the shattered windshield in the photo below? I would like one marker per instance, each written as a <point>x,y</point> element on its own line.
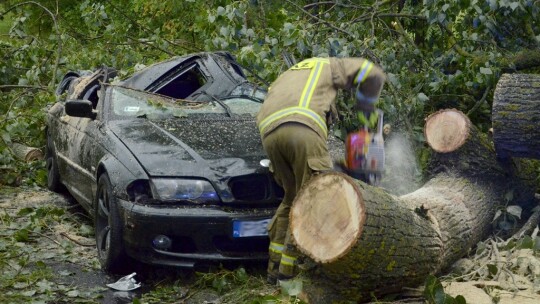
<point>127,102</point>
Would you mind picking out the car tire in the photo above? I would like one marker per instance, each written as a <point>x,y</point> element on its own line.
<point>108,229</point>
<point>53,175</point>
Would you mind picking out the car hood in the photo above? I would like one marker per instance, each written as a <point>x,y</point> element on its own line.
<point>215,149</point>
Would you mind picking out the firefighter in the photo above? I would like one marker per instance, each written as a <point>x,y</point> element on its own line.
<point>293,122</point>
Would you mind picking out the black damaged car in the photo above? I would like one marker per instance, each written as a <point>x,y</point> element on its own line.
<point>168,162</point>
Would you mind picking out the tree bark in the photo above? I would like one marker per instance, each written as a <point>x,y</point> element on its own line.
<point>516,116</point>
<point>26,153</point>
<point>404,238</point>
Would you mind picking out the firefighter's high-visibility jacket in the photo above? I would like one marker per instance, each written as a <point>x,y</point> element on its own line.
<point>306,93</point>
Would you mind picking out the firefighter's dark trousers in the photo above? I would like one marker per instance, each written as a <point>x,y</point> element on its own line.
<point>296,152</point>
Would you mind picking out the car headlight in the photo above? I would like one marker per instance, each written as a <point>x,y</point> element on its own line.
<point>172,189</point>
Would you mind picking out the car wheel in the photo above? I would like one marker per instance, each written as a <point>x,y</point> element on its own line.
<point>108,227</point>
<point>53,175</point>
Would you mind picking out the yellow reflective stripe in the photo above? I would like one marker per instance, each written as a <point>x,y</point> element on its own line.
<point>311,84</point>
<point>294,110</point>
<point>304,65</point>
<point>275,247</point>
<point>364,71</point>
<point>287,260</point>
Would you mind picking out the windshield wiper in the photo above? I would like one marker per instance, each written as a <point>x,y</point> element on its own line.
<point>221,103</point>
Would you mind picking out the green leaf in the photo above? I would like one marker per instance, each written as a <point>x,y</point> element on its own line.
<point>221,11</point>
<point>514,5</point>
<point>526,242</point>
<point>65,273</point>
<point>514,210</point>
<point>86,230</point>
<point>22,235</point>
<point>432,289</point>
<point>219,284</point>
<point>422,97</point>
<point>241,275</point>
<point>6,137</point>
<point>536,246</point>
<point>486,71</point>
<point>492,269</point>
<point>28,293</point>
<point>224,31</point>
<point>41,264</point>
<point>460,300</point>
<point>291,287</point>
<point>497,215</point>
<point>25,211</point>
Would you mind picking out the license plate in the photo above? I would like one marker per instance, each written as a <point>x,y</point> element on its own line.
<point>250,228</point>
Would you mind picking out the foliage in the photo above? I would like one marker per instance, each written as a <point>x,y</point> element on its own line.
<point>29,249</point>
<point>231,286</point>
<point>434,293</point>
<point>437,53</point>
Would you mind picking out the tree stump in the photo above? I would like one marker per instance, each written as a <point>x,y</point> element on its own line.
<point>516,116</point>
<point>378,243</point>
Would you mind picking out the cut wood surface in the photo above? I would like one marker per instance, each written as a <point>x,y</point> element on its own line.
<point>403,238</point>
<point>333,221</point>
<point>437,130</point>
<point>516,116</point>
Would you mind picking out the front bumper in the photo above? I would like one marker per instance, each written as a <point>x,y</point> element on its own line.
<point>198,234</point>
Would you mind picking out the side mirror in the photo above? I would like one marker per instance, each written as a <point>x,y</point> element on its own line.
<point>80,108</point>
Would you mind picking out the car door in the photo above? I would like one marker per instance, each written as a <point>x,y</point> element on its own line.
<point>79,177</point>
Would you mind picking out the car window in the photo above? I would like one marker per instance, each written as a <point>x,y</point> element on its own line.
<point>183,85</point>
<point>132,103</point>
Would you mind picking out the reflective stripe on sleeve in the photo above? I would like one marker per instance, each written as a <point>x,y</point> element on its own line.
<point>364,71</point>
<point>275,247</point>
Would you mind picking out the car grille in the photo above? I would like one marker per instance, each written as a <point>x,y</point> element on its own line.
<point>254,187</point>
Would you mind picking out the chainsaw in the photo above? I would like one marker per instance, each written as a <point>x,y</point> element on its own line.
<point>364,153</point>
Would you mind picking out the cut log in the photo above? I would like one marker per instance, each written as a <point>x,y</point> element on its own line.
<point>516,116</point>
<point>26,153</point>
<point>405,238</point>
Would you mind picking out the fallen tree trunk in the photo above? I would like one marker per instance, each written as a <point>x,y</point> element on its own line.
<point>26,153</point>
<point>366,242</point>
<point>516,116</point>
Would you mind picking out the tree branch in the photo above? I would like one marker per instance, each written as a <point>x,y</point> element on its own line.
<point>57,30</point>
<point>14,86</point>
<point>319,19</point>
<point>191,48</point>
<point>479,102</point>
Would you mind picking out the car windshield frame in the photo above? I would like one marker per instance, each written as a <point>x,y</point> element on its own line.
<point>128,103</point>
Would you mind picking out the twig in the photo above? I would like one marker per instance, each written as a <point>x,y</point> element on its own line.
<point>191,48</point>
<point>75,241</point>
<point>319,19</point>
<point>333,3</point>
<point>14,86</point>
<point>48,237</point>
<point>57,30</point>
<point>529,226</point>
<point>6,118</point>
<point>480,101</point>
